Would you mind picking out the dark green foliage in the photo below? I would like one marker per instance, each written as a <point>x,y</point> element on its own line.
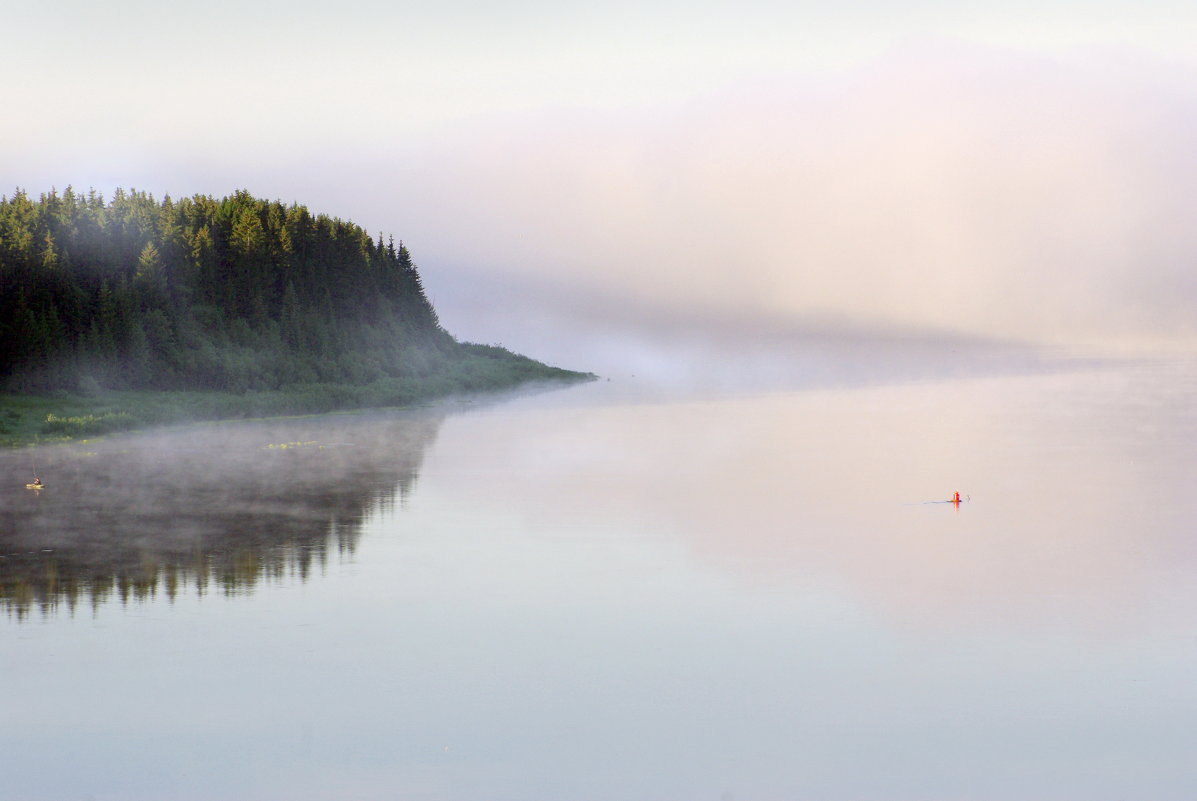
<point>232,295</point>
<point>133,313</point>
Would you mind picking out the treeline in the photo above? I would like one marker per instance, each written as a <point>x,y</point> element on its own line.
<point>230,294</point>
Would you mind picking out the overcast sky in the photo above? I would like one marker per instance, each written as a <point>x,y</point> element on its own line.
<point>1019,169</point>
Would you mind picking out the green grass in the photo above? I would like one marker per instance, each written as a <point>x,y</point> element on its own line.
<point>36,419</point>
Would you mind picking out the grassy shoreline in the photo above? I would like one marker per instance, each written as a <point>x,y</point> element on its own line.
<point>29,420</point>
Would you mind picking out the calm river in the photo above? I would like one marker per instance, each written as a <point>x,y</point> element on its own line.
<point>616,593</point>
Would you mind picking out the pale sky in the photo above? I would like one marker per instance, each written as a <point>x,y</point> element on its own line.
<point>1018,169</point>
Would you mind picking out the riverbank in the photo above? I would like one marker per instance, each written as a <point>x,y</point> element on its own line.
<point>61,417</point>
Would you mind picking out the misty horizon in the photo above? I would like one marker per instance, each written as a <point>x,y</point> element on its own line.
<point>930,185</point>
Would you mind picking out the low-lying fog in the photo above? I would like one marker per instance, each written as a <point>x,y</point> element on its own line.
<point>229,504</point>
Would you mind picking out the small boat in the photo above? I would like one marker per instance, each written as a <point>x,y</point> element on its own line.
<point>35,486</point>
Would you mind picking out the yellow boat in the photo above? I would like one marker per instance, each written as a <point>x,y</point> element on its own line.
<point>35,486</point>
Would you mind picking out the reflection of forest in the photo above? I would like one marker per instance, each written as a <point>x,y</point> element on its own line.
<point>214,508</point>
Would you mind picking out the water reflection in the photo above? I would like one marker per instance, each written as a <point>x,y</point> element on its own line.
<point>219,508</point>
<point>594,598</point>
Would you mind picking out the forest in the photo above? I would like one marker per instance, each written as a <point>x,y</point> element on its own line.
<point>236,295</point>
<point>232,294</point>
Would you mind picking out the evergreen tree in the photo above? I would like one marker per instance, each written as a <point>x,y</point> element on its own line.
<point>228,293</point>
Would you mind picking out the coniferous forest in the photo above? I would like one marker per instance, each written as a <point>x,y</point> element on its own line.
<point>235,295</point>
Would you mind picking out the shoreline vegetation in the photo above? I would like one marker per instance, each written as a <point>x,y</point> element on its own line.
<point>33,420</point>
<point>134,313</point>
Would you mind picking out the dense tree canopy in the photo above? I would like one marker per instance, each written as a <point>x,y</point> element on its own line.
<point>234,294</point>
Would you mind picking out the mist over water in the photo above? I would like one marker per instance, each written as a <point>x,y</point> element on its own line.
<point>624,591</point>
<point>713,348</point>
<point>211,508</point>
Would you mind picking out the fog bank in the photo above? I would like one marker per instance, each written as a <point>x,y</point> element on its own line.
<point>943,189</point>
<point>992,194</point>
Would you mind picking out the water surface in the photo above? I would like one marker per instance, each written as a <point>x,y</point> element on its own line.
<point>606,593</point>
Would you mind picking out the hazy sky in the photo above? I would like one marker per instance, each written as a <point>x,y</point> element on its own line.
<point>1015,169</point>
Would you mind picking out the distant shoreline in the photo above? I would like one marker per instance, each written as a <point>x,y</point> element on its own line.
<point>28,420</point>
